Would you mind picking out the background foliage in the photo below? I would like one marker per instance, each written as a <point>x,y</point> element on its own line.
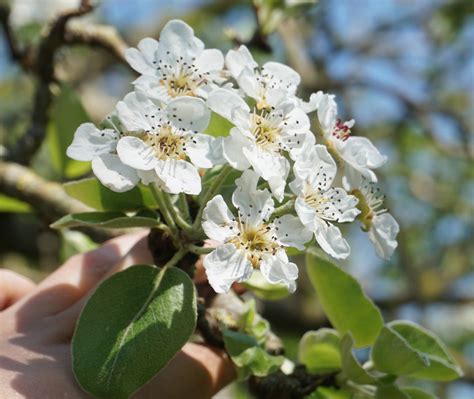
<point>403,70</point>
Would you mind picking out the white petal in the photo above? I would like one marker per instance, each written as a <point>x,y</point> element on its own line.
<point>316,166</point>
<point>148,176</point>
<point>283,76</point>
<point>383,234</point>
<point>223,101</point>
<point>90,142</point>
<point>189,113</point>
<point>330,239</point>
<point>135,153</point>
<point>277,186</point>
<point>179,176</point>
<point>339,206</point>
<point>327,113</point>
<point>232,147</point>
<point>141,59</point>
<point>306,214</point>
<point>291,232</point>
<point>226,265</point>
<point>278,270</point>
<point>254,205</point>
<point>178,38</point>
<point>210,60</point>
<point>137,112</point>
<point>248,82</point>
<point>217,220</point>
<point>313,103</point>
<point>199,150</point>
<point>152,88</point>
<point>113,174</point>
<point>297,121</point>
<point>237,60</point>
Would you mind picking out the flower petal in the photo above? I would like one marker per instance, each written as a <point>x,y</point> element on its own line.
<point>90,142</point>
<point>113,174</point>
<point>178,38</point>
<point>232,148</point>
<point>226,265</point>
<point>316,166</point>
<point>223,101</point>
<point>141,59</point>
<point>306,214</point>
<point>291,232</point>
<point>278,270</point>
<point>282,76</point>
<point>210,60</point>
<point>218,223</point>
<point>330,239</point>
<point>237,60</point>
<point>189,113</point>
<point>199,149</point>
<point>327,113</point>
<point>179,176</point>
<point>138,113</point>
<point>136,153</point>
<point>383,234</point>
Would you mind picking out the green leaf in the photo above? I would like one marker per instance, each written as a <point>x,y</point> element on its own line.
<point>341,296</point>
<point>390,392</point>
<point>351,366</point>
<point>417,393</point>
<point>319,351</point>
<point>392,354</point>
<point>91,193</point>
<point>441,365</point>
<point>253,324</point>
<point>248,356</point>
<point>66,116</point>
<point>218,126</point>
<point>329,393</point>
<point>8,204</point>
<point>131,327</point>
<point>263,289</point>
<point>108,220</point>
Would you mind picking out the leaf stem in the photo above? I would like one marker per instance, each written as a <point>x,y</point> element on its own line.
<point>176,216</point>
<point>183,205</point>
<point>162,205</point>
<point>287,207</point>
<point>176,258</point>
<point>198,250</point>
<point>210,192</point>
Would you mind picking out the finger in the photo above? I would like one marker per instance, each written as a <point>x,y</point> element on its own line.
<point>13,286</point>
<point>200,370</point>
<point>65,321</point>
<point>73,280</point>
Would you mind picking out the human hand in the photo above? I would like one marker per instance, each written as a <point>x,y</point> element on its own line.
<point>37,323</point>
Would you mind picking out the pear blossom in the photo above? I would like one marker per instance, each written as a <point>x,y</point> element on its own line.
<point>381,226</point>
<point>250,240</point>
<point>318,205</point>
<point>262,137</point>
<point>161,141</point>
<point>176,65</point>
<point>261,84</point>
<point>100,146</point>
<point>358,154</point>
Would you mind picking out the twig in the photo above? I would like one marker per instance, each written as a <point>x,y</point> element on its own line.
<point>43,67</point>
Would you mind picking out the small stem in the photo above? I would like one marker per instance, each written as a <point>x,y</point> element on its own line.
<point>159,197</point>
<point>183,205</point>
<point>176,258</point>
<point>196,249</point>
<point>185,226</point>
<point>210,192</point>
<point>287,207</point>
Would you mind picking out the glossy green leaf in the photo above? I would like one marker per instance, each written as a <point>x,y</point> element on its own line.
<point>442,366</point>
<point>8,204</point>
<point>351,366</point>
<point>253,324</point>
<point>66,116</point>
<point>319,351</point>
<point>108,220</point>
<point>131,327</point>
<point>392,354</point>
<point>390,392</point>
<point>265,290</point>
<point>93,194</point>
<point>248,356</point>
<point>417,393</point>
<point>348,308</point>
<point>218,126</point>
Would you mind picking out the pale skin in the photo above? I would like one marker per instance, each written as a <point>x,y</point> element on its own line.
<point>37,323</point>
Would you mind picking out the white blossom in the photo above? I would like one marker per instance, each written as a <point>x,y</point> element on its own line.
<point>99,146</point>
<point>161,140</point>
<point>358,154</point>
<point>262,136</point>
<point>318,205</point>
<point>380,225</point>
<point>176,65</point>
<point>250,240</point>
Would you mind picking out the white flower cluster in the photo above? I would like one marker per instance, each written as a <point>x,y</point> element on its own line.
<point>155,136</point>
